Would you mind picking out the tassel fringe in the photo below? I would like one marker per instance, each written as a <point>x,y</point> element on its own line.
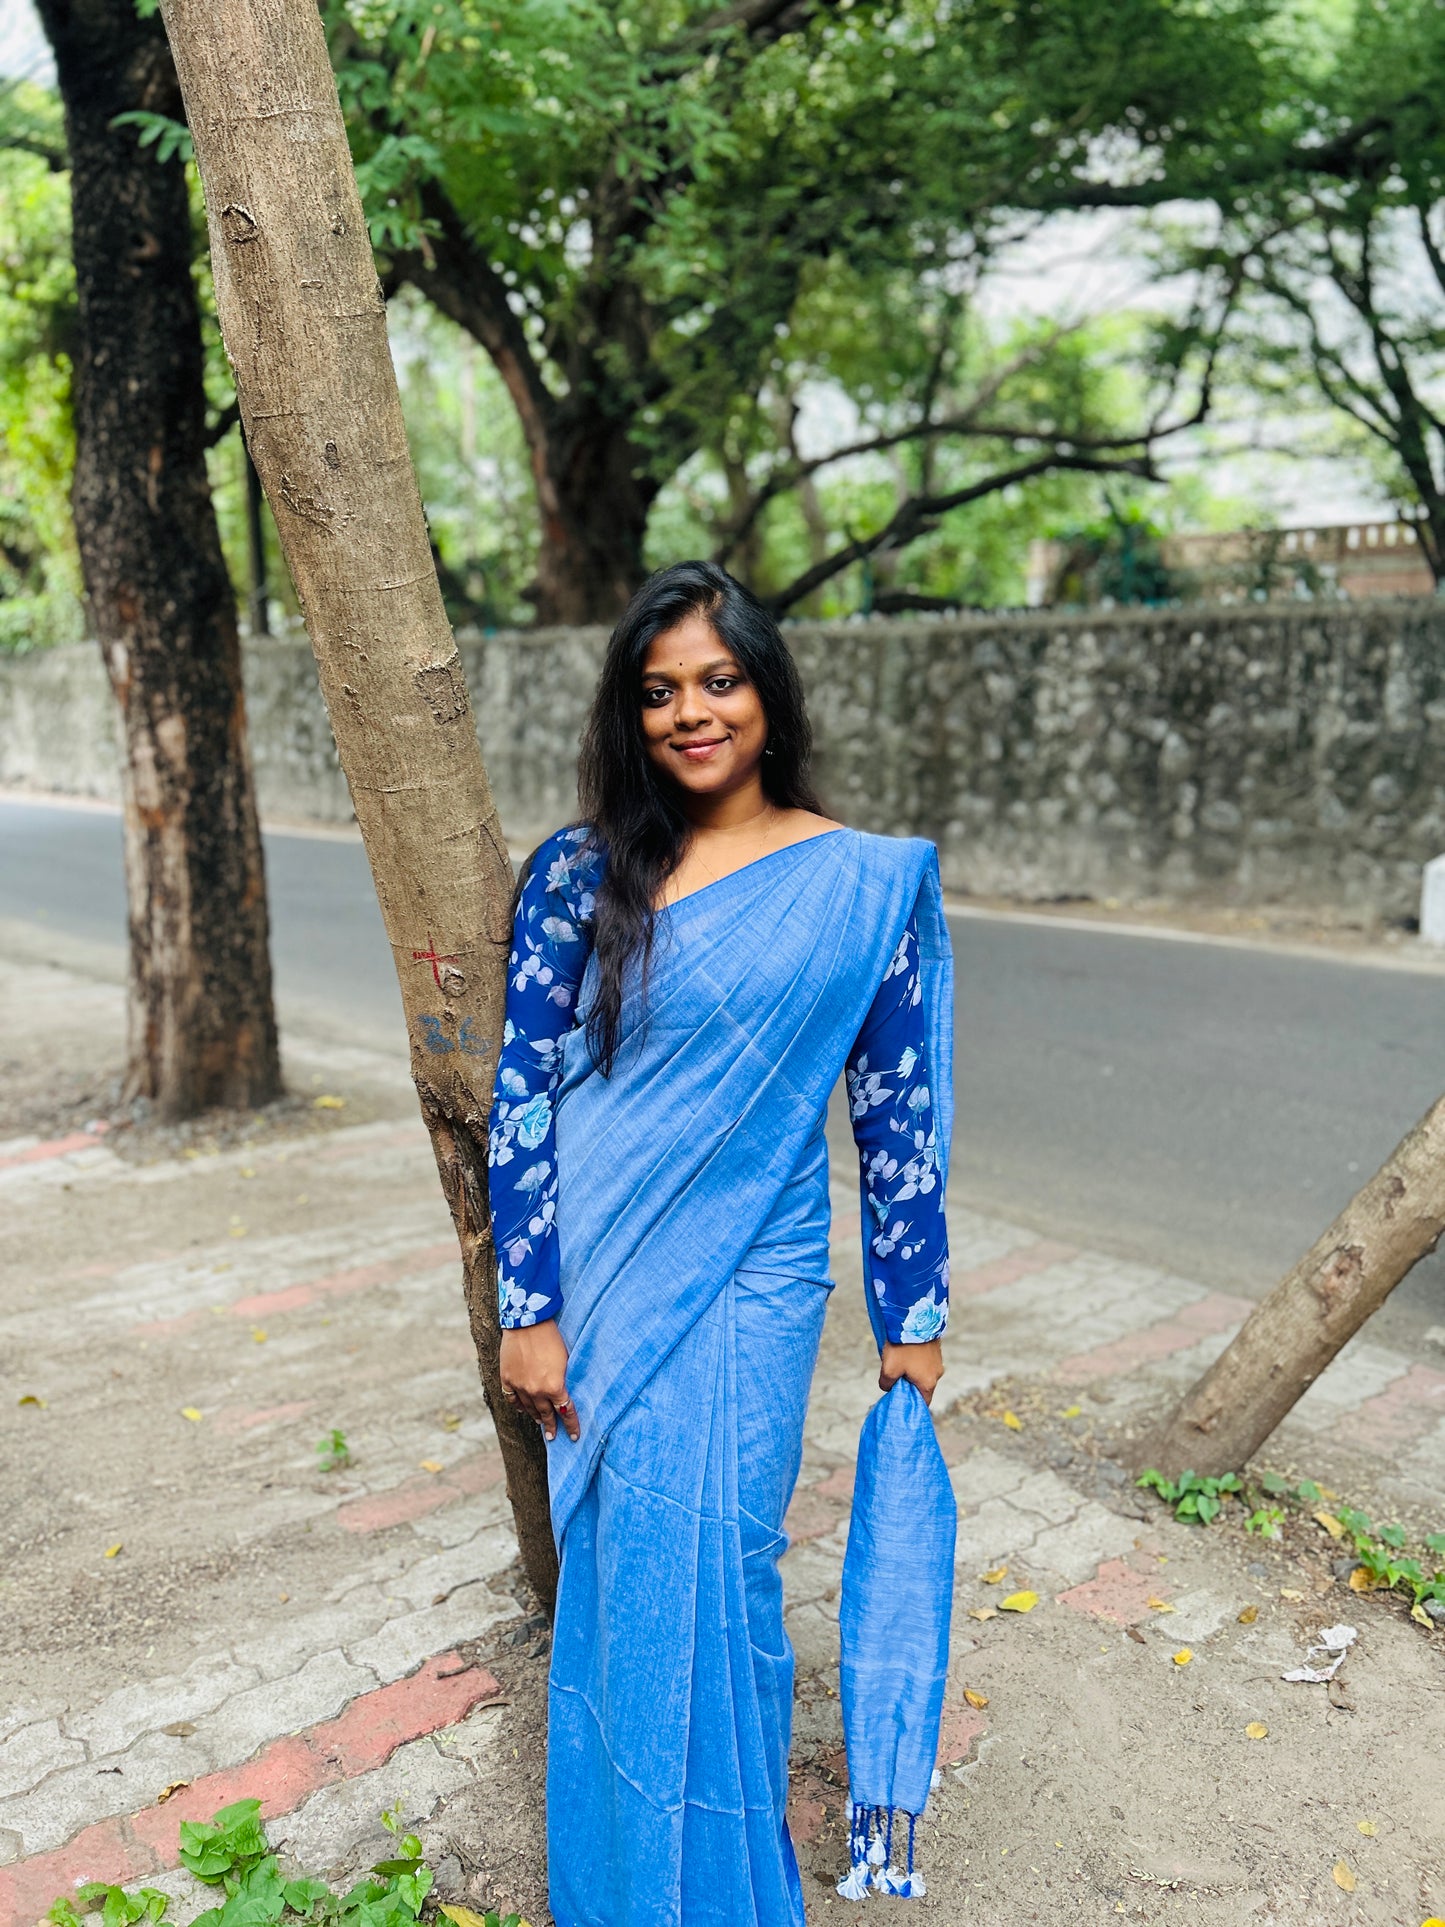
<point>870,1856</point>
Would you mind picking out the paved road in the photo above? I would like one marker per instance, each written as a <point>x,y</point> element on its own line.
<point>1200,1106</point>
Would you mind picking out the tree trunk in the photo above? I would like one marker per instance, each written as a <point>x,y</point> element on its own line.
<point>305,326</point>
<point>1288,1340</point>
<point>594,505</point>
<point>202,1030</point>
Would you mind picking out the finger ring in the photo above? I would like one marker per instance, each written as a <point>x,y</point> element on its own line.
<point>509,1395</point>
<point>563,1404</point>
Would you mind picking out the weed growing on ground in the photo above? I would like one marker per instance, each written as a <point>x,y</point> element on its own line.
<point>231,1851</point>
<point>332,1452</point>
<point>1383,1563</point>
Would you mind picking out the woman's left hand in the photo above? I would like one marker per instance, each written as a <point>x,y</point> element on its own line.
<point>921,1365</point>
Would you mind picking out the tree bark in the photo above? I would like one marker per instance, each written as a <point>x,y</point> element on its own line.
<point>202,1029</point>
<point>1288,1340</point>
<point>304,322</point>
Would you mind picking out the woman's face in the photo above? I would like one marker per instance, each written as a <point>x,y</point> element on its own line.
<point>702,720</point>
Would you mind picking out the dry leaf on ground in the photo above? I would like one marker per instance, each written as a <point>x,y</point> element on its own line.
<point>1368,1828</point>
<point>983,1612</point>
<point>1291,1592</point>
<point>431,1465</point>
<point>1183,1656</point>
<point>994,1576</point>
<point>1257,1730</point>
<point>1248,1616</point>
<point>979,1700</point>
<point>1361,1581</point>
<point>1160,1606</point>
<point>1330,1523</point>
<point>330,1104</point>
<point>192,1413</point>
<point>1013,1421</point>
<point>1019,1602</point>
<point>1343,1877</point>
<point>29,1398</point>
<point>111,1551</point>
<point>165,1793</point>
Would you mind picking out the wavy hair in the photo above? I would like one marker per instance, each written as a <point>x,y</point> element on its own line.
<point>633,810</point>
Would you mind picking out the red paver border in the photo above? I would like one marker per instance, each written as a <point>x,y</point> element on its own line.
<point>281,1776</point>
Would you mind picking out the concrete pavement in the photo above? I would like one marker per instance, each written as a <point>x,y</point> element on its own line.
<point>189,1598</point>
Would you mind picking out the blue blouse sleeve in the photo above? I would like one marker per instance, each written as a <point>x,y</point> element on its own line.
<point>551,942</point>
<point>893,1127</point>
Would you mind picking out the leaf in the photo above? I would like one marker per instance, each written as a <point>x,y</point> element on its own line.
<point>1343,1877</point>
<point>1292,1593</point>
<point>450,1421</point>
<point>111,1551</point>
<point>1362,1580</point>
<point>464,1917</point>
<point>1330,1523</point>
<point>191,1412</point>
<point>977,1700</point>
<point>1183,1656</point>
<point>29,1398</point>
<point>1019,1602</point>
<point>431,1465</point>
<point>328,1103</point>
<point>302,1895</point>
<point>991,1612</point>
<point>1013,1421</point>
<point>1248,1616</point>
<point>1160,1606</point>
<point>258,1332</point>
<point>172,1786</point>
<point>1072,1411</point>
<point>1257,1730</point>
<point>180,1729</point>
<point>994,1576</point>
<point>1368,1828</point>
<point>1434,1540</point>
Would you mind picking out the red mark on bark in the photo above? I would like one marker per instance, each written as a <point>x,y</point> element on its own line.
<point>431,956</point>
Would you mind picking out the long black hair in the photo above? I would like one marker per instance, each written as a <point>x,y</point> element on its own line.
<point>634,812</point>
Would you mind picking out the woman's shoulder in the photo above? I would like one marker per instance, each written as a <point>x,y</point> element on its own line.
<point>566,865</point>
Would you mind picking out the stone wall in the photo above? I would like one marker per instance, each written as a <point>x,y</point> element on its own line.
<point>1291,753</point>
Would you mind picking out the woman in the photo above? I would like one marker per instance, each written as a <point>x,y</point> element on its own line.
<point>692,969</point>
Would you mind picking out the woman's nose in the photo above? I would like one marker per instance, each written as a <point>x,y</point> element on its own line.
<point>692,708</point>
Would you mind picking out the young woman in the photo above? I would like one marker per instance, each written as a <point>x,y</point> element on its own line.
<point>693,967</point>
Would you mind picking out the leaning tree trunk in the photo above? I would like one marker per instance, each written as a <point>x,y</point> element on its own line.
<point>1288,1340</point>
<point>202,1031</point>
<point>593,501</point>
<point>305,327</point>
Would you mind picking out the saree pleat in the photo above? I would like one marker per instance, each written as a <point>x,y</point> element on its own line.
<point>692,1224</point>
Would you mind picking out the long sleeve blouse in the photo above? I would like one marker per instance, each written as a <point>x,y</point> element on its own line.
<point>888,1094</point>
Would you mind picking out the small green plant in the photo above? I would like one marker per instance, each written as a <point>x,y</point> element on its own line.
<point>332,1452</point>
<point>1191,1496</point>
<point>231,1851</point>
<point>1267,1521</point>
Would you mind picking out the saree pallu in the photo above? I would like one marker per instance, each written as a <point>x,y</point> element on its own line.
<point>692,1224</point>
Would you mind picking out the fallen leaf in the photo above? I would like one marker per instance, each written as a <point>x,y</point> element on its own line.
<point>1420,1616</point>
<point>1325,1493</point>
<point>1368,1828</point>
<point>1330,1523</point>
<point>1248,1616</point>
<point>1013,1421</point>
<point>180,1729</point>
<point>283,1597</point>
<point>1183,1656</point>
<point>463,1916</point>
<point>1290,1592</point>
<point>978,1700</point>
<point>333,1104</point>
<point>1160,1606</point>
<point>1343,1877</point>
<point>1137,1637</point>
<point>1361,1581</point>
<point>1433,1921</point>
<point>450,1421</point>
<point>29,1398</point>
<point>238,1231</point>
<point>111,1551</point>
<point>1019,1602</point>
<point>166,1791</point>
<point>994,1575</point>
<point>190,1412</point>
<point>983,1612</point>
<point>247,1172</point>
<point>1072,1411</point>
<point>258,1332</point>
<point>1257,1730</point>
<point>431,1465</point>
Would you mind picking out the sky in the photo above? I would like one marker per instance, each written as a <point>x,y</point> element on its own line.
<point>1080,264</point>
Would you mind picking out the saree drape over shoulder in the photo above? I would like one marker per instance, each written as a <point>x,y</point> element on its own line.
<point>691,1216</point>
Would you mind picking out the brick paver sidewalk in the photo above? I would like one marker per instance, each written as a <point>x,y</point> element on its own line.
<point>188,1598</point>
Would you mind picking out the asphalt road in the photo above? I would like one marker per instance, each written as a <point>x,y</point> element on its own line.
<point>1196,1105</point>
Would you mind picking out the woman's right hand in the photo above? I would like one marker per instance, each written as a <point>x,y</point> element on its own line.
<point>534,1377</point>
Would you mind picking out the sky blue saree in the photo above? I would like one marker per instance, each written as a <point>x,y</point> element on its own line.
<point>691,1214</point>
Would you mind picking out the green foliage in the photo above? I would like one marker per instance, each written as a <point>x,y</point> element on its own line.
<point>1193,1497</point>
<point>332,1452</point>
<point>1266,1521</point>
<point>168,137</point>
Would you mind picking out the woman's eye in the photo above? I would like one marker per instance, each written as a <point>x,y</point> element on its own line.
<point>656,697</point>
<point>720,685</point>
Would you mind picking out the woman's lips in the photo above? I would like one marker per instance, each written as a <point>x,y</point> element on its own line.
<point>699,752</point>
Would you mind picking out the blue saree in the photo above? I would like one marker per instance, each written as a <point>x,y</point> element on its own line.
<point>692,1222</point>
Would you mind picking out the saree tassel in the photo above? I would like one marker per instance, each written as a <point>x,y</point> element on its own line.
<point>870,1855</point>
<point>859,1878</point>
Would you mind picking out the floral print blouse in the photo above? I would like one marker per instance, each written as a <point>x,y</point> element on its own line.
<point>888,1095</point>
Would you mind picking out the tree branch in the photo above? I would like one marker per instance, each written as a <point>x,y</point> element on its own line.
<point>919,513</point>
